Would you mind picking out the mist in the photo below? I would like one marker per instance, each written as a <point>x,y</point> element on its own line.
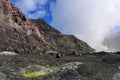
<point>89,20</point>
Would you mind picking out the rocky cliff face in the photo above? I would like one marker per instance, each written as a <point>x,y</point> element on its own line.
<point>22,35</point>
<point>61,42</point>
<point>17,33</point>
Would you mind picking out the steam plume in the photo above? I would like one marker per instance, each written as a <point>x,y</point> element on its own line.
<point>89,20</point>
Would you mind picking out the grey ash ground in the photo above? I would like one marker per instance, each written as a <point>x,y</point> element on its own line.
<point>98,66</point>
<point>44,53</point>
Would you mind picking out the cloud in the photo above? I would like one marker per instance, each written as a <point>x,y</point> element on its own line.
<point>35,8</point>
<point>89,20</point>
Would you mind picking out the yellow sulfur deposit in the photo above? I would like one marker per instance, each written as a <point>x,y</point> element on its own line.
<point>28,73</point>
<point>37,71</point>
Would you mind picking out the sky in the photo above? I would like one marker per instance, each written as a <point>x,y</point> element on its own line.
<point>36,8</point>
<point>89,20</point>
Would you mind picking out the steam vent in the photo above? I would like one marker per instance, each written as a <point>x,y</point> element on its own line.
<point>30,49</point>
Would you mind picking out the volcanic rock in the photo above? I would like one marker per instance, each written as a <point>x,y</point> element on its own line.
<point>21,35</point>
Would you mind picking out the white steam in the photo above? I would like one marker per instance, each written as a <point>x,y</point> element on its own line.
<point>89,20</point>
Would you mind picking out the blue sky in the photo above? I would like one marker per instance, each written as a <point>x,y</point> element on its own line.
<point>36,8</point>
<point>89,20</point>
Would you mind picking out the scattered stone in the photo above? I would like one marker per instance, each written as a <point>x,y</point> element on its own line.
<point>116,76</point>
<point>58,55</point>
<point>51,52</point>
<point>3,76</point>
<point>111,59</point>
<point>7,53</point>
<point>118,67</point>
<point>78,53</point>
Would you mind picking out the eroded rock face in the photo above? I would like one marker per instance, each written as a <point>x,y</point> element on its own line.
<point>60,42</point>
<point>17,32</point>
<point>21,35</point>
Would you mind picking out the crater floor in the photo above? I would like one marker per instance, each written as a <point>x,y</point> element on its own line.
<point>98,66</point>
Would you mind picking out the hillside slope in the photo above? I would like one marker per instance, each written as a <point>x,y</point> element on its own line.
<point>22,35</point>
<point>61,42</point>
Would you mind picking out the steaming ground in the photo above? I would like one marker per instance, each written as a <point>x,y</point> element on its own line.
<point>89,20</point>
<point>113,41</point>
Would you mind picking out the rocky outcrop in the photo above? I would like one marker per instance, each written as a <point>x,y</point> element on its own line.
<point>17,33</point>
<point>21,35</point>
<point>62,42</point>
